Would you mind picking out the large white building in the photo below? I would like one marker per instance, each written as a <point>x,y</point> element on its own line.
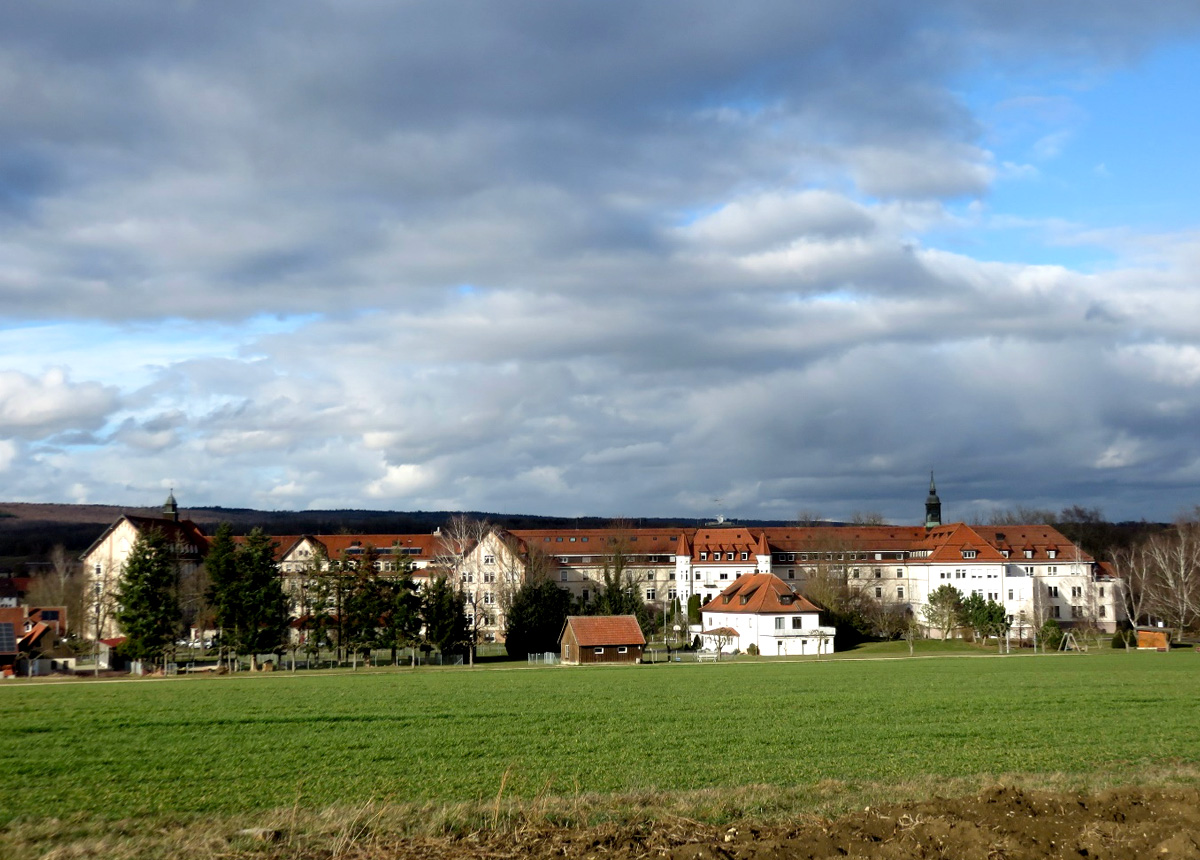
<point>1033,571</point>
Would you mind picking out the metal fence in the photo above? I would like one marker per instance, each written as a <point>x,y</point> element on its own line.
<point>550,658</point>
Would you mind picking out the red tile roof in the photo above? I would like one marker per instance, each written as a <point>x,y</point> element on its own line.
<point>759,593</point>
<point>596,630</point>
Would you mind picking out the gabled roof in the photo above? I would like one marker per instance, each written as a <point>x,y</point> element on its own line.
<point>183,532</point>
<point>597,630</point>
<point>759,593</point>
<point>948,544</point>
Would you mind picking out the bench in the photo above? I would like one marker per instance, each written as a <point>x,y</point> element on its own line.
<point>706,656</point>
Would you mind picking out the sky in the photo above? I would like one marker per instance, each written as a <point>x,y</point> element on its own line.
<point>644,258</point>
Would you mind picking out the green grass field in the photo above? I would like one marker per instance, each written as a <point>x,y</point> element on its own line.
<point>235,744</point>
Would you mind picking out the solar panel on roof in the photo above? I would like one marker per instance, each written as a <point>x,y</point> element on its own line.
<point>8,638</point>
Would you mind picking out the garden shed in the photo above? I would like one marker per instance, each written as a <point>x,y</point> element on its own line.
<point>601,639</point>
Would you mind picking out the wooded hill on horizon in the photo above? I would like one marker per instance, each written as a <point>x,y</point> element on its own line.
<point>29,531</point>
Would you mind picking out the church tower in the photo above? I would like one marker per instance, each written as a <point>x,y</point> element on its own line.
<point>933,506</point>
<point>171,508</point>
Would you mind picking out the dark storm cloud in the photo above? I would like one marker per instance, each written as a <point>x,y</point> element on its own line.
<point>568,258</point>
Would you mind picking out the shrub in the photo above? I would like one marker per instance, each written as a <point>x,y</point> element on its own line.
<point>752,650</point>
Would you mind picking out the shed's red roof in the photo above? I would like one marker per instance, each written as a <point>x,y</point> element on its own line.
<point>596,630</point>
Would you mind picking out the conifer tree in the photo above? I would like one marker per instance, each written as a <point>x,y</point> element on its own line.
<point>148,603</point>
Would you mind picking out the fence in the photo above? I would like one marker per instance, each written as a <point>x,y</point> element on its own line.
<point>550,658</point>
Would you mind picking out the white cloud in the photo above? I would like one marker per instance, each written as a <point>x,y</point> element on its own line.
<point>31,406</point>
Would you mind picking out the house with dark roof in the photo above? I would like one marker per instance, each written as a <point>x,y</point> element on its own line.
<point>601,639</point>
<point>762,610</point>
<point>104,561</point>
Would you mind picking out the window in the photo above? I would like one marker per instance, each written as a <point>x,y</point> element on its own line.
<point>704,556</point>
<point>729,556</point>
<point>562,576</point>
<point>1052,569</point>
<point>791,573</point>
<point>1077,591</point>
<point>697,577</point>
<point>878,572</point>
<point>1052,553</point>
<point>879,592</point>
<point>488,598</point>
<point>1052,590</point>
<point>1102,591</point>
<point>1010,594</point>
<point>796,624</point>
<point>650,594</point>
<point>724,576</point>
<point>584,540</point>
<point>745,556</point>
<point>1029,553</point>
<point>779,623</point>
<point>1055,611</point>
<point>1103,611</point>
<point>899,572</point>
<point>968,553</point>
<point>622,649</point>
<point>1029,569</point>
<point>791,556</point>
<point>597,650</point>
<point>671,594</point>
<point>671,576</point>
<point>1076,611</point>
<point>585,595</point>
<point>899,592</point>
<point>489,559</point>
<point>650,575</point>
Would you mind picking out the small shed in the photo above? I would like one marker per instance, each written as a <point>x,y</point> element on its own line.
<point>601,639</point>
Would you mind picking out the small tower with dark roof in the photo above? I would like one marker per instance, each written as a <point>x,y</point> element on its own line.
<point>933,506</point>
<point>171,508</point>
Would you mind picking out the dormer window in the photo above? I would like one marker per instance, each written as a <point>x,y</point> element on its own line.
<point>744,600</point>
<point>1029,553</point>
<point>729,556</point>
<point>968,553</point>
<point>785,599</point>
<point>745,556</point>
<point>1052,553</point>
<point>704,556</point>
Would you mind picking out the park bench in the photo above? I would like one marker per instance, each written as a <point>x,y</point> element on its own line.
<point>706,657</point>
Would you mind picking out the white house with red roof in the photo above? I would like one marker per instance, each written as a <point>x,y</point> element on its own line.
<point>762,610</point>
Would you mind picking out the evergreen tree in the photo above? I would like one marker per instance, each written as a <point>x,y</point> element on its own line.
<point>247,594</point>
<point>535,618</point>
<point>400,622</point>
<point>221,564</point>
<point>443,610</point>
<point>147,598</point>
<point>263,613</point>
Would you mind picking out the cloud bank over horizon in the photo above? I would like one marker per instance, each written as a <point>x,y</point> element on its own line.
<point>601,259</point>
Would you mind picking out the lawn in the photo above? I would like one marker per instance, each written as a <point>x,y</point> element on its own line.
<point>232,744</point>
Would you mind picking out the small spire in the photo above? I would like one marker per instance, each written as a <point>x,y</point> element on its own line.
<point>171,507</point>
<point>933,505</point>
